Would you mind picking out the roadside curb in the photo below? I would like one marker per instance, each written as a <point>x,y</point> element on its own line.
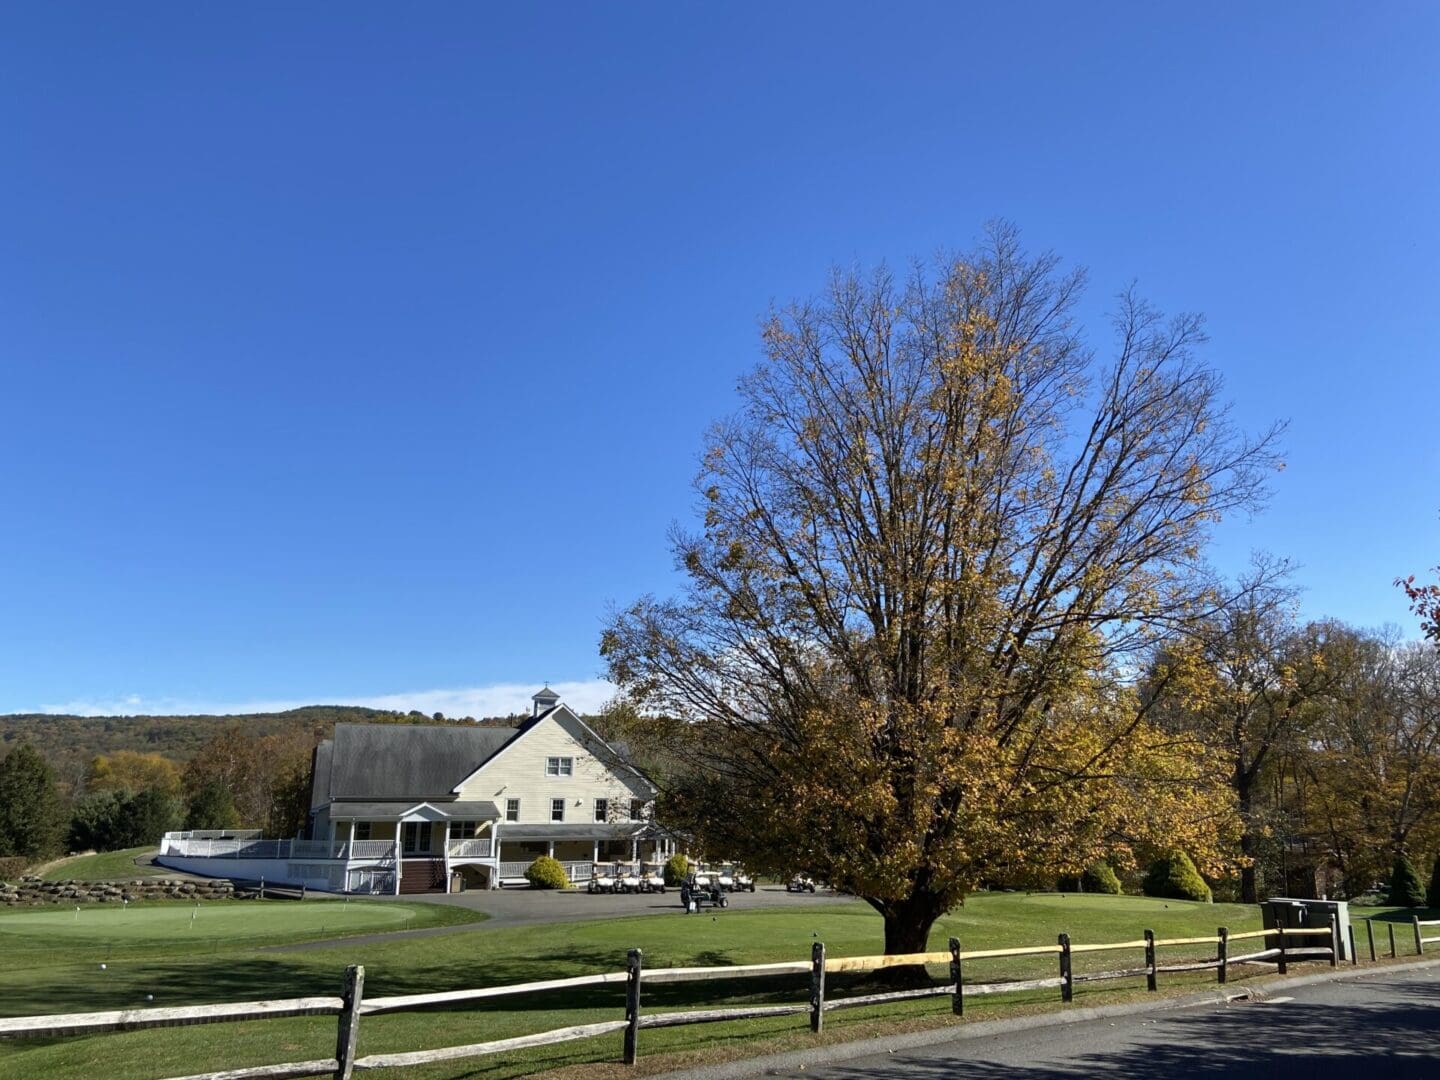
<point>797,1060</point>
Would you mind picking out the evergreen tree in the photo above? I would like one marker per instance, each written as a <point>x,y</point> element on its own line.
<point>1174,876</point>
<point>146,817</point>
<point>30,817</point>
<point>95,824</point>
<point>1100,878</point>
<point>1405,887</point>
<point>212,808</point>
<point>1432,894</point>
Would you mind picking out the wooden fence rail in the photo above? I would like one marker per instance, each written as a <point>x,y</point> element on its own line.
<point>1281,946</point>
<point>1421,942</point>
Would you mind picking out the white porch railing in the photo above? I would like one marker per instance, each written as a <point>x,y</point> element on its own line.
<point>470,849</point>
<point>575,871</point>
<point>216,834</point>
<point>253,848</point>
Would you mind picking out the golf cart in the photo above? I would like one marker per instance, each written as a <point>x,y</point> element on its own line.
<point>701,876</point>
<point>693,896</point>
<point>602,878</point>
<point>652,877</point>
<point>800,883</point>
<point>744,880</point>
<point>725,876</point>
<point>628,879</point>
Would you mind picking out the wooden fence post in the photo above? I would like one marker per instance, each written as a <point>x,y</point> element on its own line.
<point>348,1030</point>
<point>632,1006</point>
<point>817,986</point>
<point>1067,979</point>
<point>1223,953</point>
<point>1370,933</point>
<point>1392,940</point>
<point>1280,964</point>
<point>1419,942</point>
<point>1354,954</point>
<point>1334,940</point>
<point>1149,959</point>
<point>957,1000</point>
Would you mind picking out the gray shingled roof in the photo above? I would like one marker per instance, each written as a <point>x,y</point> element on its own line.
<point>320,775</point>
<point>405,761</point>
<point>580,831</point>
<point>470,810</point>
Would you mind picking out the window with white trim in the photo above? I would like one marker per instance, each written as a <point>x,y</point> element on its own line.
<point>602,809</point>
<point>637,809</point>
<point>512,809</point>
<point>464,830</point>
<point>362,830</point>
<point>557,809</point>
<point>560,766</point>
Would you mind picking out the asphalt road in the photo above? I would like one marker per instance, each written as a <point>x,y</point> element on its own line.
<point>520,907</point>
<point>1380,1026</point>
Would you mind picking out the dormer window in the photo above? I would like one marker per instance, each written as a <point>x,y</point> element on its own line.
<point>559,766</point>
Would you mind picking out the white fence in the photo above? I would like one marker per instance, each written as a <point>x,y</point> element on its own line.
<point>470,849</point>
<point>251,847</point>
<point>577,872</point>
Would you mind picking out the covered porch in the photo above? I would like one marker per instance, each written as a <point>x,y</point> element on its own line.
<point>429,840</point>
<point>576,847</point>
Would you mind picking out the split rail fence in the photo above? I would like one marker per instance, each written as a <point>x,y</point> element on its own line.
<point>351,1005</point>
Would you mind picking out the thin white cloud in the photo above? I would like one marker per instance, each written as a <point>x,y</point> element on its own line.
<point>498,699</point>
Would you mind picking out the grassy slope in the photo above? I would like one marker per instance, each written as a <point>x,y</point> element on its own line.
<point>105,866</point>
<point>51,976</point>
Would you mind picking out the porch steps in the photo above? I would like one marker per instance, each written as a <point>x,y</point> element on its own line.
<point>422,875</point>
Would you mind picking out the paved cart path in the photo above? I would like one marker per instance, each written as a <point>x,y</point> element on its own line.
<point>522,907</point>
<point>1381,1024</point>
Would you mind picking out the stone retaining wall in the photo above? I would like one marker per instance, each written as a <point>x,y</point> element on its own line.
<point>31,890</point>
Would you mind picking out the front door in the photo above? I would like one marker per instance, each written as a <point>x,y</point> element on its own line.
<point>415,838</point>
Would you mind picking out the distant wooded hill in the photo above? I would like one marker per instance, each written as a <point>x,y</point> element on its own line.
<point>70,742</point>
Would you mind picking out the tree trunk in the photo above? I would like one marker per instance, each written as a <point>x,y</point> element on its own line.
<point>1249,891</point>
<point>907,931</point>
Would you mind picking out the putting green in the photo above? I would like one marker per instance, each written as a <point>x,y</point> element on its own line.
<point>225,920</point>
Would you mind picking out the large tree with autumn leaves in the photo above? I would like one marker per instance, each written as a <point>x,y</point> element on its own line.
<point>938,540</point>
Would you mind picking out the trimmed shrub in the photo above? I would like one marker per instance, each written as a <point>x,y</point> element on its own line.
<point>1100,879</point>
<point>1432,894</point>
<point>677,869</point>
<point>1174,877</point>
<point>1405,888</point>
<point>547,873</point>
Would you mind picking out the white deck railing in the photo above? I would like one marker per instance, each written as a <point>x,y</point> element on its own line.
<point>575,871</point>
<point>470,849</point>
<point>233,847</point>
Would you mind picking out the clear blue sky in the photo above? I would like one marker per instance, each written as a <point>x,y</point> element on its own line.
<point>363,353</point>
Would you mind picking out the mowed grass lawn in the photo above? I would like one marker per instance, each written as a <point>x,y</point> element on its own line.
<point>106,866</point>
<point>52,965</point>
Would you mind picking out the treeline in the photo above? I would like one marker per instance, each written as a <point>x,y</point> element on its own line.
<point>247,772</point>
<point>1328,737</point>
<point>70,742</point>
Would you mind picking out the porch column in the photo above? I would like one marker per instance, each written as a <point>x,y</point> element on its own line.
<point>399,854</point>
<point>495,855</point>
<point>595,852</point>
<point>445,848</point>
<point>634,848</point>
<point>552,849</point>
